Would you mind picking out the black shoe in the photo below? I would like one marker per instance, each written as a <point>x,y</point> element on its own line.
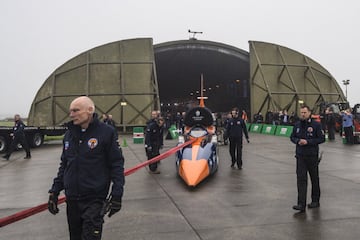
<point>27,157</point>
<point>6,157</point>
<point>314,205</point>
<point>299,208</point>
<point>155,172</point>
<point>240,167</point>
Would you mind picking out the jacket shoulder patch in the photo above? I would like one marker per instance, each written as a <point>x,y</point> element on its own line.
<point>92,143</point>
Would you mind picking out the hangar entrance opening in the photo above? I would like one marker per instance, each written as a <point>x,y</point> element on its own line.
<point>225,70</point>
<point>130,78</point>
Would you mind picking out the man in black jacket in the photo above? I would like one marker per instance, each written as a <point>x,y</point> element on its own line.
<point>330,120</point>
<point>307,134</point>
<point>235,129</point>
<point>154,136</point>
<point>19,137</point>
<point>90,161</point>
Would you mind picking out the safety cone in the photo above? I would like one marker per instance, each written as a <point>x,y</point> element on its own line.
<point>124,143</point>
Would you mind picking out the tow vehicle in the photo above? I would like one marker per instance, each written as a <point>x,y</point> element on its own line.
<point>34,135</point>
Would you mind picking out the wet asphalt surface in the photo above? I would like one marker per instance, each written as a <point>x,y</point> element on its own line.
<point>252,203</point>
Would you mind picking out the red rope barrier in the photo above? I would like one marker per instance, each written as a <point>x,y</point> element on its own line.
<point>158,158</point>
<point>42,207</point>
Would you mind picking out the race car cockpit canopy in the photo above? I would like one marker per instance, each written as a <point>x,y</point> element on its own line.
<point>198,116</point>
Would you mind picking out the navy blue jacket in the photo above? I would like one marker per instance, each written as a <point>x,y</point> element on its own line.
<point>154,134</point>
<point>18,129</point>
<point>90,161</point>
<point>235,128</point>
<point>312,132</point>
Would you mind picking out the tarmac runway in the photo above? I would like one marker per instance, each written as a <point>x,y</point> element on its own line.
<point>252,203</point>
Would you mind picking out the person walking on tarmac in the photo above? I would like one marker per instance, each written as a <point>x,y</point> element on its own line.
<point>235,129</point>
<point>19,137</point>
<point>90,161</point>
<point>347,125</point>
<point>154,141</point>
<point>330,121</point>
<point>307,134</point>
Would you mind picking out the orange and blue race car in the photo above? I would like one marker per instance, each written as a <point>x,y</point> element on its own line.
<point>199,160</point>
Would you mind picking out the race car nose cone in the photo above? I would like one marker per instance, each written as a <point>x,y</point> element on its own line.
<point>193,171</point>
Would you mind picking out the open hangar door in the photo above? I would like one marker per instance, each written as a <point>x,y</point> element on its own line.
<point>269,77</point>
<point>282,79</point>
<point>225,70</point>
<point>119,76</point>
<point>140,74</point>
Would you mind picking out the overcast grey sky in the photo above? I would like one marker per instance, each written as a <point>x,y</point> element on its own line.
<point>38,36</point>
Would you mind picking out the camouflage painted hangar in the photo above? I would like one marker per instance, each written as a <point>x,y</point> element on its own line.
<point>129,78</point>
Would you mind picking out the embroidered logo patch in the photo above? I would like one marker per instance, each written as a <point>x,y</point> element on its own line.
<point>92,143</point>
<point>66,145</point>
<point>197,116</point>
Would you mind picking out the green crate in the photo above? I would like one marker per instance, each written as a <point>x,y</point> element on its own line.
<point>138,135</point>
<point>173,132</point>
<point>284,131</point>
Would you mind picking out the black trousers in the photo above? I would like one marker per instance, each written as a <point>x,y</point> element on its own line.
<point>84,219</point>
<point>235,149</point>
<point>151,154</point>
<point>304,165</point>
<point>331,131</point>
<point>22,140</point>
<point>349,135</point>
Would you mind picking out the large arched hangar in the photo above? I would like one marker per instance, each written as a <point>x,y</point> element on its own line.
<point>126,78</point>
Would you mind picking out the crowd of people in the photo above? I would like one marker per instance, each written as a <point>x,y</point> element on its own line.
<point>91,170</point>
<point>276,118</point>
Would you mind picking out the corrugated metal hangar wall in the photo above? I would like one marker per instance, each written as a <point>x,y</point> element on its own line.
<point>281,78</point>
<point>113,75</point>
<point>129,78</point>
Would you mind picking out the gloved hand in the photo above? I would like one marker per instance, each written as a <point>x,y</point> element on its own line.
<point>53,203</point>
<point>115,205</point>
<point>149,149</point>
<point>248,141</point>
